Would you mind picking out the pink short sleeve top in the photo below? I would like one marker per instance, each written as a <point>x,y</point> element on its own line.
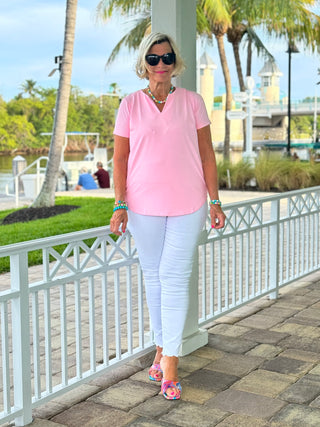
<point>164,175</point>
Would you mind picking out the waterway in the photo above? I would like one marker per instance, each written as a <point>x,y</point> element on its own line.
<point>6,161</point>
<point>6,165</point>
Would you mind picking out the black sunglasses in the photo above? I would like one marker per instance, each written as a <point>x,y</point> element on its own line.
<point>167,58</point>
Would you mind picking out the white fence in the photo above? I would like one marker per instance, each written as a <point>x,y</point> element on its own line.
<point>31,182</point>
<point>266,244</point>
<point>82,311</point>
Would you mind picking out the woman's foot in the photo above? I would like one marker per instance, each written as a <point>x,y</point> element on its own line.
<point>171,390</point>
<point>170,386</point>
<point>155,372</point>
<point>169,365</point>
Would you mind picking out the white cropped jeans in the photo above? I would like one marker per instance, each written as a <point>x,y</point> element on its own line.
<point>166,247</point>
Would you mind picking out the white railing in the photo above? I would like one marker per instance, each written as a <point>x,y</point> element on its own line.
<point>267,243</point>
<point>297,108</point>
<point>82,310</point>
<point>35,164</point>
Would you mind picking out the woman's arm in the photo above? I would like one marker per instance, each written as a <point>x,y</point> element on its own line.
<point>120,165</point>
<point>210,173</point>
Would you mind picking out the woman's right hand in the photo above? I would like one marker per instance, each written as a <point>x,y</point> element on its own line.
<point>119,218</point>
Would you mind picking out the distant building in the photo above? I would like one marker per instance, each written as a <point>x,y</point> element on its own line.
<point>263,127</point>
<point>207,66</point>
<point>270,83</point>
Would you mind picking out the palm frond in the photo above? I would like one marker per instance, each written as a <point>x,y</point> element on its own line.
<point>294,21</point>
<point>106,8</point>
<point>203,25</point>
<point>133,38</point>
<point>217,11</point>
<point>258,43</point>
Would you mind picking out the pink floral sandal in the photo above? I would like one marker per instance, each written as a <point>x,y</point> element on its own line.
<point>174,386</point>
<point>155,372</point>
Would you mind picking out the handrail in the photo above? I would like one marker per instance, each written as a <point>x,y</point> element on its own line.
<point>16,178</point>
<point>280,107</point>
<point>89,293</point>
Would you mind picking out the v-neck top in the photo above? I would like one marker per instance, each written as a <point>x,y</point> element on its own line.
<point>164,173</point>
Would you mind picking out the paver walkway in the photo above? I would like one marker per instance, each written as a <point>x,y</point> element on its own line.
<point>260,368</point>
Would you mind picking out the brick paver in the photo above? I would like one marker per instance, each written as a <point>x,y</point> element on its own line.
<point>248,375</point>
<point>245,403</point>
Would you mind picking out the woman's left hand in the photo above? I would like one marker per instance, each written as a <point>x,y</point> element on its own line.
<point>217,216</point>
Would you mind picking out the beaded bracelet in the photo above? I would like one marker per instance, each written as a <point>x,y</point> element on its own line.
<point>215,202</point>
<point>120,205</point>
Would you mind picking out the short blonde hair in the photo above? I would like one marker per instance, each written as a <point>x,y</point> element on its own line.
<point>146,45</point>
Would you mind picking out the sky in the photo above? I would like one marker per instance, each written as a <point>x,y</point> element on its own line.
<point>31,34</point>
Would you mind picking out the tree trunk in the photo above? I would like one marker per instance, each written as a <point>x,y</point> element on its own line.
<point>227,80</point>
<point>46,196</point>
<point>235,47</point>
<point>249,57</point>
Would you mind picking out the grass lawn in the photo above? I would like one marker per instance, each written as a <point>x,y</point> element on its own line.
<point>93,212</point>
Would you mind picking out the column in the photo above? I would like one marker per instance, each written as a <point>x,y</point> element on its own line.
<point>178,19</point>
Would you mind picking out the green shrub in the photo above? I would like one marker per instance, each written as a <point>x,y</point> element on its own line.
<point>293,175</point>
<point>315,174</point>
<point>266,171</point>
<point>275,173</point>
<point>223,167</point>
<point>241,174</point>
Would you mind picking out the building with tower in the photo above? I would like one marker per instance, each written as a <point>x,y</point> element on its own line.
<point>264,128</point>
<point>217,116</point>
<point>270,83</point>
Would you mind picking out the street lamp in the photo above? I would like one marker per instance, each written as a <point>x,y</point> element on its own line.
<point>315,116</point>
<point>57,60</point>
<point>292,48</point>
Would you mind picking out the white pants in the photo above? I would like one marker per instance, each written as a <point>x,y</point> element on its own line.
<point>166,247</point>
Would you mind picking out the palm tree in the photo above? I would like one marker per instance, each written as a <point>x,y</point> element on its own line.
<point>28,87</point>
<point>242,16</point>
<point>271,16</point>
<point>236,18</point>
<point>46,196</point>
<point>218,14</point>
<point>213,17</point>
<point>140,11</point>
<point>217,9</point>
<point>114,88</point>
<point>300,22</point>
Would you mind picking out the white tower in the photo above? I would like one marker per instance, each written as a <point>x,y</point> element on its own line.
<point>270,82</point>
<point>207,81</point>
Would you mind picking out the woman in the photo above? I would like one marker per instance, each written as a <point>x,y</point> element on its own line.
<point>164,166</point>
